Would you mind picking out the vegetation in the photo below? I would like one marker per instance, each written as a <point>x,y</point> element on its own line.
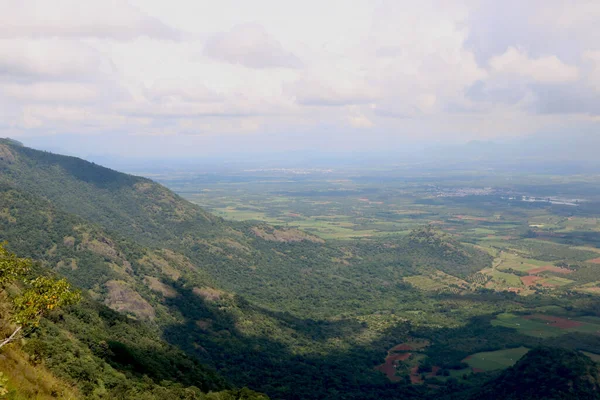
<point>546,373</point>
<point>178,303</point>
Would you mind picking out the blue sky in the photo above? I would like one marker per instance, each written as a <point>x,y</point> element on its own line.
<point>151,78</point>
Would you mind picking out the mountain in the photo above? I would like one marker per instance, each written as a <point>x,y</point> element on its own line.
<point>546,373</point>
<point>175,293</point>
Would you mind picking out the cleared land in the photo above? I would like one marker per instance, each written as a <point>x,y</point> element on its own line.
<point>493,360</point>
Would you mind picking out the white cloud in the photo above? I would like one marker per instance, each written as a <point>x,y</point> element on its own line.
<point>250,45</point>
<point>593,57</point>
<point>115,19</point>
<point>360,121</point>
<point>547,69</point>
<point>50,59</point>
<point>311,91</point>
<point>51,92</point>
<point>389,69</point>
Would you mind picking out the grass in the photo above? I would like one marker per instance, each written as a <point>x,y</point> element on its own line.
<point>557,281</point>
<point>493,360</point>
<point>594,357</point>
<point>526,326</point>
<point>541,329</point>
<point>506,278</point>
<point>28,382</point>
<point>424,282</point>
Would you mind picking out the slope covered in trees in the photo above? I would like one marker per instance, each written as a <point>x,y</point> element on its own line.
<point>87,350</point>
<point>272,308</point>
<point>546,373</point>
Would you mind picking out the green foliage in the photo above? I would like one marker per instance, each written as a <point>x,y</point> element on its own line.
<point>546,373</point>
<point>3,383</point>
<point>281,314</point>
<point>12,267</point>
<point>42,295</point>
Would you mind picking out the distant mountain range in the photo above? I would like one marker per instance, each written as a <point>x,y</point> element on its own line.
<point>541,153</point>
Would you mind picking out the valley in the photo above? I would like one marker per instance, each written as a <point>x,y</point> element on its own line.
<point>361,287</point>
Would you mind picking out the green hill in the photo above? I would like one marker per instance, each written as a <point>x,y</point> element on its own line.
<point>546,373</point>
<point>272,308</point>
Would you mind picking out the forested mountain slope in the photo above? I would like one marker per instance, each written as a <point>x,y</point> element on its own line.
<point>272,308</point>
<point>139,226</point>
<point>87,350</point>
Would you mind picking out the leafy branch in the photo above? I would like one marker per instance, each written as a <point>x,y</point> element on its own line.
<point>38,296</point>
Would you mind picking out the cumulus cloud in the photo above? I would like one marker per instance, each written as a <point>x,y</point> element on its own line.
<point>250,45</point>
<point>548,69</point>
<point>50,59</point>
<point>458,68</point>
<point>115,19</point>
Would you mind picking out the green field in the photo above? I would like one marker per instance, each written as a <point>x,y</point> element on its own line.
<point>493,360</point>
<point>543,329</point>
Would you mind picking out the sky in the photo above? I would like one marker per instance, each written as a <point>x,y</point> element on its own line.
<point>192,78</point>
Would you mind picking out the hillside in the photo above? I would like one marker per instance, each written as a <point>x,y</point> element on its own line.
<point>122,203</point>
<point>89,351</point>
<point>133,226</point>
<point>546,373</point>
<point>267,307</point>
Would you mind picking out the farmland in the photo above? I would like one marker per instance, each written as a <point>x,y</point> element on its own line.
<point>538,246</point>
<point>544,325</point>
<point>493,360</point>
<point>539,283</point>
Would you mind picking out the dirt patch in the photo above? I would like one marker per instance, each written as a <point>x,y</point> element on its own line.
<point>401,347</point>
<point>415,377</point>
<point>69,241</point>
<point>208,293</point>
<point>391,362</point>
<point>103,247</point>
<point>6,154</point>
<point>156,285</point>
<point>594,261</point>
<point>154,261</point>
<point>121,298</point>
<point>477,370</point>
<point>550,268</point>
<point>557,322</point>
<point>529,280</point>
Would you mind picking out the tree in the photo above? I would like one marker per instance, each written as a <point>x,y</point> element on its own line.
<point>38,296</point>
<point>11,267</point>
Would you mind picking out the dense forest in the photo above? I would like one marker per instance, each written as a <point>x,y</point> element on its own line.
<point>178,303</point>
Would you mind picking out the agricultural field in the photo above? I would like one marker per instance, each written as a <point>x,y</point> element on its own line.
<point>498,265</point>
<point>544,325</point>
<point>493,360</point>
<point>549,242</point>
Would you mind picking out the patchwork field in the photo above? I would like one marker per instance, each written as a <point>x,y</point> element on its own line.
<point>538,247</point>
